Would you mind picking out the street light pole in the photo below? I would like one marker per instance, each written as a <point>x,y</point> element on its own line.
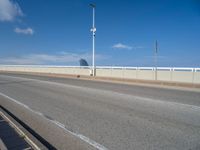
<point>93,30</point>
<point>156,58</point>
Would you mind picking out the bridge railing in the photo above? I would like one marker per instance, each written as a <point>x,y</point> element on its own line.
<point>171,74</point>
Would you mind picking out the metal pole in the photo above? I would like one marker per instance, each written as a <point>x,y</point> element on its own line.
<point>93,30</point>
<point>156,53</point>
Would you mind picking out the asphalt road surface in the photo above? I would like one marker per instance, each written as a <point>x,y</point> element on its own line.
<point>117,116</point>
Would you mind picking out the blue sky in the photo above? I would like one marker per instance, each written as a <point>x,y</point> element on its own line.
<point>58,32</point>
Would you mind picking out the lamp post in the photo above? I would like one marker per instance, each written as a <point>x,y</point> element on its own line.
<point>93,30</point>
<point>156,58</point>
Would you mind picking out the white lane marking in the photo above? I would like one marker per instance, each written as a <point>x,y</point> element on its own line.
<point>159,101</point>
<point>80,136</point>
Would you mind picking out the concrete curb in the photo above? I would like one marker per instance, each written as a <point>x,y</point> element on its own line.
<point>47,130</point>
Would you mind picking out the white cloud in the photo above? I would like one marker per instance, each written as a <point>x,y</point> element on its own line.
<point>60,58</point>
<point>122,46</point>
<point>28,31</point>
<point>9,10</point>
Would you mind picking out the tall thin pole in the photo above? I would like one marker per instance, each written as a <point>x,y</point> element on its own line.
<point>93,30</point>
<point>155,57</point>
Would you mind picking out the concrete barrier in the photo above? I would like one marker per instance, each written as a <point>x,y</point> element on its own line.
<point>182,75</point>
<point>44,127</point>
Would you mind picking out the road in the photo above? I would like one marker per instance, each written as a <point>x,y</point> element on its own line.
<point>117,116</point>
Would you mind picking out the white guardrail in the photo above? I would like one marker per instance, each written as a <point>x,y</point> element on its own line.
<point>172,74</point>
<point>109,67</point>
<point>150,68</point>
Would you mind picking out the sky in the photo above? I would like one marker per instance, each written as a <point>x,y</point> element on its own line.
<point>41,32</point>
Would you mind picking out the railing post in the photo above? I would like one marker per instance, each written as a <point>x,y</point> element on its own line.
<point>171,72</point>
<point>193,73</point>
<point>155,70</point>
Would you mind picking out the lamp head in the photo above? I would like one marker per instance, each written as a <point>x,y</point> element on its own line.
<point>93,5</point>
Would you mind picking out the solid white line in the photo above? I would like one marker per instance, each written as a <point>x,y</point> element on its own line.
<point>80,136</point>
